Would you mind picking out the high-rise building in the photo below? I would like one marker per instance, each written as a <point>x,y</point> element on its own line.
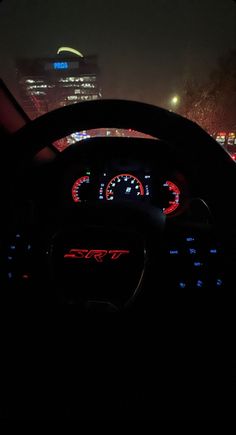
<point>48,83</point>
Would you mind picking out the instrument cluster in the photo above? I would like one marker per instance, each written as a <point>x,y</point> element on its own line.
<point>168,193</point>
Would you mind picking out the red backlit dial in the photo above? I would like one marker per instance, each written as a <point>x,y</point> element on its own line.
<point>78,188</point>
<point>124,186</point>
<point>172,197</point>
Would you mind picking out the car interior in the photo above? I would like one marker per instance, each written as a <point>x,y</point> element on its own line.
<point>161,248</point>
<point>136,230</point>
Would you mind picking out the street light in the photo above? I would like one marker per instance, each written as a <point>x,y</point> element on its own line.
<point>175,100</point>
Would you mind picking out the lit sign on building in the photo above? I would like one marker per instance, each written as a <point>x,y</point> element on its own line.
<point>69,50</point>
<point>60,65</point>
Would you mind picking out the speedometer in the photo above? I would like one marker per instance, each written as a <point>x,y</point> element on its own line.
<point>124,186</point>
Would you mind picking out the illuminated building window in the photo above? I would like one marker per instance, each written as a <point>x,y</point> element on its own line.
<point>85,97</point>
<point>37,86</point>
<point>87,78</point>
<point>88,85</point>
<point>33,81</point>
<point>37,93</point>
<point>68,79</point>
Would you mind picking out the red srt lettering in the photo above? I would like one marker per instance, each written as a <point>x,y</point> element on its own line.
<point>97,254</point>
<point>116,254</point>
<point>76,253</point>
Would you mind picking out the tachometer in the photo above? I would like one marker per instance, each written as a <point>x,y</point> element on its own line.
<point>124,186</point>
<point>79,188</point>
<point>172,197</point>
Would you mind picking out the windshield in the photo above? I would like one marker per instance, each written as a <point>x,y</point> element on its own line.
<point>177,54</point>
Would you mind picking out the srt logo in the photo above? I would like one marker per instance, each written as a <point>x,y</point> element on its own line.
<point>97,254</point>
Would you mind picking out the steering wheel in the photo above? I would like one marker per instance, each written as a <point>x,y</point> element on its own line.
<point>105,255</point>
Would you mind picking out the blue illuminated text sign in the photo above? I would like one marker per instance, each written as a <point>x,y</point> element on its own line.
<point>60,65</point>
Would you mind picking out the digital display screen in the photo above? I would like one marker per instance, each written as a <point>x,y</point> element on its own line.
<point>124,186</point>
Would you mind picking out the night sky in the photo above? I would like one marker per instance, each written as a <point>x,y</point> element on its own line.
<point>146,48</point>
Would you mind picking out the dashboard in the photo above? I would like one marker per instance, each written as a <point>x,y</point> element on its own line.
<point>127,182</point>
<point>129,170</point>
<point>151,174</point>
<point>128,186</point>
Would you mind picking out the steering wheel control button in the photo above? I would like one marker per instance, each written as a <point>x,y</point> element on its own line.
<point>182,284</point>
<point>195,260</point>
<point>174,252</point>
<point>18,259</point>
<point>190,239</point>
<point>219,282</point>
<point>198,264</point>
<point>192,251</point>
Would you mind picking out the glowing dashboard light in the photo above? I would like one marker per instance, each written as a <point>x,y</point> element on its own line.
<point>26,276</point>
<point>124,186</point>
<point>175,202</point>
<point>77,186</point>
